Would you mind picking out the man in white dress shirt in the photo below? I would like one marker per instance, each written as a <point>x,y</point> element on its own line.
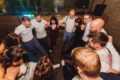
<point>69,23</point>
<point>97,26</point>
<point>39,24</point>
<point>97,41</point>
<point>29,41</point>
<point>87,20</point>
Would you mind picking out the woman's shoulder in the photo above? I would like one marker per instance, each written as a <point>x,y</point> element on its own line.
<point>14,70</point>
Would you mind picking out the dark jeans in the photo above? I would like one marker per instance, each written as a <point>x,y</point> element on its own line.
<point>44,42</point>
<point>31,56</point>
<point>34,45</point>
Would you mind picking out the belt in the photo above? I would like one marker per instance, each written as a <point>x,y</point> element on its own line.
<point>28,41</point>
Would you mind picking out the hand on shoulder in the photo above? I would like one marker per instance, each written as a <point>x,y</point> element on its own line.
<point>110,38</point>
<point>111,70</point>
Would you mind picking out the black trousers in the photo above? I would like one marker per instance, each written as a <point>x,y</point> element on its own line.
<point>44,43</point>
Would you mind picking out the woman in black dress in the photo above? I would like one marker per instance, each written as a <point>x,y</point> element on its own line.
<point>53,28</point>
<point>80,28</point>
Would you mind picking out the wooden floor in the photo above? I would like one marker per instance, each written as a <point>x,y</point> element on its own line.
<point>56,56</point>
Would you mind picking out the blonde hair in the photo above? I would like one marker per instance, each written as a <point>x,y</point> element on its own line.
<point>87,60</point>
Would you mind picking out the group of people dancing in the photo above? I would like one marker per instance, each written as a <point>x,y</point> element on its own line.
<point>89,49</point>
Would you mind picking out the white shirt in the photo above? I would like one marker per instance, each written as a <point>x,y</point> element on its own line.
<point>27,71</point>
<point>70,23</point>
<point>39,28</point>
<point>25,33</point>
<point>114,53</point>
<point>115,56</point>
<point>86,33</point>
<point>105,58</point>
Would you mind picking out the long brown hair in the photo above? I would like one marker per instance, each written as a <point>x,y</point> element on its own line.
<point>14,54</point>
<point>43,69</point>
<point>11,39</point>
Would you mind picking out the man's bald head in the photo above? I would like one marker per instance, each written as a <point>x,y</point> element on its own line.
<point>96,25</point>
<point>72,13</point>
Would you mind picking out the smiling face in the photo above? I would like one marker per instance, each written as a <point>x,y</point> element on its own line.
<point>87,19</point>
<point>38,18</point>
<point>53,21</point>
<point>27,24</point>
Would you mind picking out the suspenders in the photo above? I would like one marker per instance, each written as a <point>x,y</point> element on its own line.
<point>110,56</point>
<point>66,22</point>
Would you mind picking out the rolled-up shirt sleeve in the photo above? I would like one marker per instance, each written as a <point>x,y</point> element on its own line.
<point>115,56</point>
<point>17,31</point>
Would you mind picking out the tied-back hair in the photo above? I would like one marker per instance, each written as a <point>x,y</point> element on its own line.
<point>14,54</point>
<point>43,69</point>
<point>55,19</point>
<point>11,39</point>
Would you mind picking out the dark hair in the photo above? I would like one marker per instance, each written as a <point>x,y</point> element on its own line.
<point>24,18</point>
<point>55,19</point>
<point>88,13</point>
<point>3,59</point>
<point>14,54</point>
<point>99,37</point>
<point>43,68</point>
<point>11,39</point>
<point>79,20</point>
<point>37,14</point>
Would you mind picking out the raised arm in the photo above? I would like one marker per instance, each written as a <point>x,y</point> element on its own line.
<point>63,22</point>
<point>47,25</point>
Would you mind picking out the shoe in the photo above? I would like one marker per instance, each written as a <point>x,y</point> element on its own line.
<point>50,51</point>
<point>56,66</point>
<point>62,62</point>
